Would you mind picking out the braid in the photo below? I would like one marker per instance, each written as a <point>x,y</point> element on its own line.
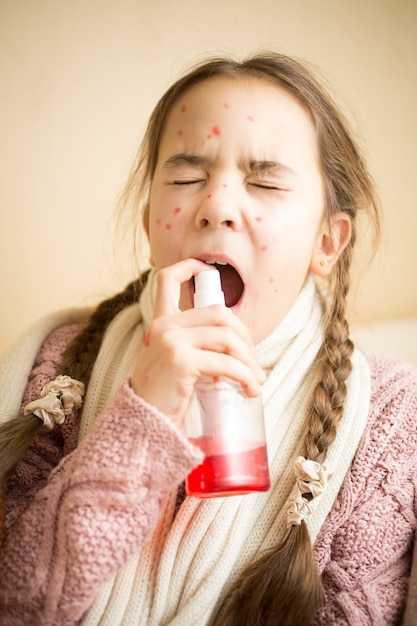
<point>17,434</point>
<point>330,392</point>
<point>81,353</point>
<point>284,586</point>
<point>281,587</point>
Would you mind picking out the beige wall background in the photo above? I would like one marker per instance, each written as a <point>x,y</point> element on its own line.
<point>79,79</point>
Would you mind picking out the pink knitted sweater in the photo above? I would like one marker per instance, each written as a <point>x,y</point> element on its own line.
<point>75,514</point>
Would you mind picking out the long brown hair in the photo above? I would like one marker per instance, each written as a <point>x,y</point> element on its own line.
<point>283,586</point>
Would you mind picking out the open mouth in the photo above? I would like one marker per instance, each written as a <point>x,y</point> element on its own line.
<point>232,284</point>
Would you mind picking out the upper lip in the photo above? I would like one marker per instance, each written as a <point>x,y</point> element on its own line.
<point>220,258</point>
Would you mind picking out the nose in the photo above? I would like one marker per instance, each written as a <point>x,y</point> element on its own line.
<point>220,208</point>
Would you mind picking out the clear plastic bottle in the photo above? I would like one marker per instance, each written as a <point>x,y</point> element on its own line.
<point>226,424</point>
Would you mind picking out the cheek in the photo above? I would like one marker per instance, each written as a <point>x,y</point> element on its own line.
<point>267,242</point>
<point>166,233</point>
<point>277,255</point>
<point>165,247</point>
<point>272,261</point>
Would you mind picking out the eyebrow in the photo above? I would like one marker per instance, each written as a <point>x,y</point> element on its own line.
<point>182,158</point>
<point>268,167</point>
<point>252,165</point>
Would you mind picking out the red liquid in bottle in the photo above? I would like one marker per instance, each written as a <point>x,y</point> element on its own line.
<point>233,473</point>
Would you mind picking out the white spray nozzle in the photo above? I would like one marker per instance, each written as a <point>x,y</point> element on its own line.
<point>208,289</point>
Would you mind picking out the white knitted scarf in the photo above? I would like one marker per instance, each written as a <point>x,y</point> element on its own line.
<point>180,574</point>
<point>182,571</point>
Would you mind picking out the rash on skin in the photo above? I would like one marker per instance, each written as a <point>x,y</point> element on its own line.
<point>214,131</point>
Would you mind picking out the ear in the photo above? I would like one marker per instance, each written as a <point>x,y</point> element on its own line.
<point>333,237</point>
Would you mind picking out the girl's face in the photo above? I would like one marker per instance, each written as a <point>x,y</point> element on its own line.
<point>238,183</point>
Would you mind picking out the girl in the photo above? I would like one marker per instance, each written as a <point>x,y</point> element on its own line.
<point>247,166</point>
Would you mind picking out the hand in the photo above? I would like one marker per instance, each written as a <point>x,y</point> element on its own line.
<point>180,347</point>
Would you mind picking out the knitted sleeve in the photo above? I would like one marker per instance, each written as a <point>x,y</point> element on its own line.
<point>364,549</point>
<point>48,448</point>
<point>93,511</point>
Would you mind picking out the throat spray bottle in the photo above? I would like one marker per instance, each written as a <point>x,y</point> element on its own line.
<point>225,424</point>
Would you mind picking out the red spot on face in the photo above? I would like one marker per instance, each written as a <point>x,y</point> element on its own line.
<point>176,210</point>
<point>259,218</point>
<point>216,131</point>
<point>250,118</point>
<point>271,279</point>
<point>209,196</point>
<point>264,248</point>
<point>226,105</point>
<point>183,108</point>
<point>168,226</point>
<point>209,136</point>
<point>147,339</point>
<point>158,221</point>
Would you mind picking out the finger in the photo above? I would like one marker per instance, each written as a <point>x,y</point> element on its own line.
<point>215,315</point>
<point>187,350</point>
<point>215,364</point>
<point>169,281</point>
<point>223,340</point>
<point>210,328</point>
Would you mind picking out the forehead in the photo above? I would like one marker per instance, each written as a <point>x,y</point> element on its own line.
<point>244,105</point>
<point>219,93</point>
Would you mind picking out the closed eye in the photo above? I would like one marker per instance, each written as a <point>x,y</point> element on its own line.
<point>188,182</point>
<point>269,186</point>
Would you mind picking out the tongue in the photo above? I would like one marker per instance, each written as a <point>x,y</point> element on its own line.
<point>232,284</point>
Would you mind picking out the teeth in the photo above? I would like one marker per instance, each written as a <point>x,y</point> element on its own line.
<point>216,262</point>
